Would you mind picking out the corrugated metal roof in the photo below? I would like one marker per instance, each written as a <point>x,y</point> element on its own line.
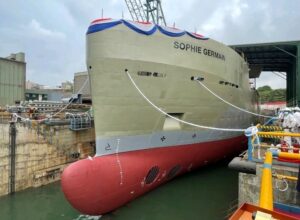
<point>275,56</point>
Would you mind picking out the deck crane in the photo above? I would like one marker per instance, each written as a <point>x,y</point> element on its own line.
<point>149,11</point>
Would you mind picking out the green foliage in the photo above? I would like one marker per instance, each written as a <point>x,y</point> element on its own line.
<point>267,94</point>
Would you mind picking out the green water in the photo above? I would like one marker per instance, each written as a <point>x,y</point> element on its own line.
<point>204,194</point>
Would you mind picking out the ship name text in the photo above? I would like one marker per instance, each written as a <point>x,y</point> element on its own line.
<point>197,49</point>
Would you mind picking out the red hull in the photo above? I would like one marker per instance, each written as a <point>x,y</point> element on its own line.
<point>101,184</point>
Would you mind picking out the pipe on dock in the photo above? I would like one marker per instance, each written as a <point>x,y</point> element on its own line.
<point>266,189</point>
<point>243,166</point>
<point>286,155</point>
<point>292,178</point>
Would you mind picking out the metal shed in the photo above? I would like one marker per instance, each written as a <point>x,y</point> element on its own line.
<point>276,56</point>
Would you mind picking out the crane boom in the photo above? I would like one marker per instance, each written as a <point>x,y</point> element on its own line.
<point>149,11</point>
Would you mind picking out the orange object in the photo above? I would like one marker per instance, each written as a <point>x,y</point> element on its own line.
<point>284,146</point>
<point>296,148</point>
<point>246,211</point>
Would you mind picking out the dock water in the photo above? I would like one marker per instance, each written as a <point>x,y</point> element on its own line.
<point>206,193</point>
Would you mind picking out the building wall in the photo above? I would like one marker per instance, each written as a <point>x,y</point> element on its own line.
<point>46,94</point>
<point>249,186</point>
<point>12,79</point>
<point>79,80</point>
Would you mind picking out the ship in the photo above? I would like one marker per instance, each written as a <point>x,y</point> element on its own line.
<point>138,147</point>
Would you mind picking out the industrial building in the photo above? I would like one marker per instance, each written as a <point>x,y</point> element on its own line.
<point>12,79</point>
<point>46,94</point>
<point>35,91</point>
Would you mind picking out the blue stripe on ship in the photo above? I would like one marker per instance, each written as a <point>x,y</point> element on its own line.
<point>103,26</point>
<point>100,27</point>
<point>136,29</point>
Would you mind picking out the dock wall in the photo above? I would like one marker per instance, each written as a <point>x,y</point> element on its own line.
<point>41,154</point>
<point>249,186</point>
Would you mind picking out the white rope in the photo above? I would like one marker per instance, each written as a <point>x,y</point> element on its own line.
<point>283,182</point>
<point>241,109</point>
<point>259,147</point>
<point>177,119</point>
<point>66,106</point>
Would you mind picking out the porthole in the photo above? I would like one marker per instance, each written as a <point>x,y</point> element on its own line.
<point>174,171</point>
<point>152,174</point>
<point>221,82</point>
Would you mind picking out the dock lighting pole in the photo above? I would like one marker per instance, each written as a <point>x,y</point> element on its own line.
<point>266,188</point>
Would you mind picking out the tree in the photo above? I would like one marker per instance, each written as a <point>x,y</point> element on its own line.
<point>267,94</point>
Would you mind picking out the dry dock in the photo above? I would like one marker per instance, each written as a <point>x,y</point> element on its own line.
<point>34,154</point>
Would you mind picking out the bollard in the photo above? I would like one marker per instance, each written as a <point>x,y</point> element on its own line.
<point>266,188</point>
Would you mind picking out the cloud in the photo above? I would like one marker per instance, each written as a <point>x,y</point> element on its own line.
<point>217,21</point>
<point>52,32</point>
<point>37,30</point>
<point>271,79</point>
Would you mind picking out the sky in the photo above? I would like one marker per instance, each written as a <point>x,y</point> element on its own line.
<point>52,32</point>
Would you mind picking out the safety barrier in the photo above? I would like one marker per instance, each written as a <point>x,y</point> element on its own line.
<point>254,139</point>
<point>269,128</point>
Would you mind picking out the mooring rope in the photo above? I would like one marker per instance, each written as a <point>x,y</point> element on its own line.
<point>177,119</point>
<point>241,109</point>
